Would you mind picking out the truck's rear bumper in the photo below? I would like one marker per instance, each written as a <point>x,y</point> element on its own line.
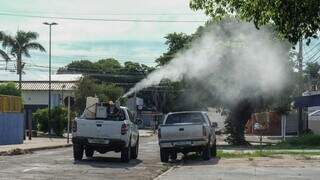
<point>113,145</point>
<point>181,144</point>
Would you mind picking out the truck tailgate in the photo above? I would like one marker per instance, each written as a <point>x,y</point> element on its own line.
<point>181,132</point>
<point>99,128</point>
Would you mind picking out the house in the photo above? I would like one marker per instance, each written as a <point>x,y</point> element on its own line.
<point>35,93</point>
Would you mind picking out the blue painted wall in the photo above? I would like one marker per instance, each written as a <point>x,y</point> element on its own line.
<point>11,128</point>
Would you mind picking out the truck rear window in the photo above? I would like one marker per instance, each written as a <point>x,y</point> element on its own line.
<point>185,118</point>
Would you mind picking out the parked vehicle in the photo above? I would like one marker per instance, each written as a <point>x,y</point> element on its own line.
<point>189,131</point>
<point>314,121</point>
<point>106,132</point>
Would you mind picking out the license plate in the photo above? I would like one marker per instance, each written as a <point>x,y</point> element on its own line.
<point>182,143</point>
<point>98,141</point>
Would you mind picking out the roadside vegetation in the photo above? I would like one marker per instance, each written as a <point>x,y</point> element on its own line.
<point>309,141</point>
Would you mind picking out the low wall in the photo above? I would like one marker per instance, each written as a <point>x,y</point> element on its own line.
<point>11,128</point>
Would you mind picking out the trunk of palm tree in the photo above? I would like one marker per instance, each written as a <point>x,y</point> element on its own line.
<point>19,70</point>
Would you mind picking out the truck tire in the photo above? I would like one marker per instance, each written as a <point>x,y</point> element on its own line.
<point>78,152</point>
<point>135,150</point>
<point>89,152</point>
<point>164,155</point>
<point>214,149</point>
<point>206,152</point>
<point>126,153</point>
<point>173,156</point>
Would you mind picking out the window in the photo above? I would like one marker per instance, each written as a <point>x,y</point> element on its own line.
<point>185,118</point>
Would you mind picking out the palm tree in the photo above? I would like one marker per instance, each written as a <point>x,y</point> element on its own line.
<point>20,45</point>
<point>3,54</point>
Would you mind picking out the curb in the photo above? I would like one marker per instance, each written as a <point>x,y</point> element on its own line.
<point>30,150</point>
<point>164,173</point>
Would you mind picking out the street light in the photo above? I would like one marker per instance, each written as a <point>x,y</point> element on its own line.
<point>49,103</point>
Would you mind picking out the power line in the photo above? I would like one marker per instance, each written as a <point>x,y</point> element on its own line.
<point>310,50</point>
<point>107,14</point>
<point>102,19</point>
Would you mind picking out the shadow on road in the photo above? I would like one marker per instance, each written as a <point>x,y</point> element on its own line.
<point>108,162</point>
<point>194,160</point>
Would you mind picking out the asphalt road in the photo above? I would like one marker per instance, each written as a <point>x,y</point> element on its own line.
<point>284,168</point>
<point>59,164</point>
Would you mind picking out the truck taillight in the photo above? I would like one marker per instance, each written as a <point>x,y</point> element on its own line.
<point>204,132</point>
<point>124,129</point>
<point>159,133</point>
<point>74,126</point>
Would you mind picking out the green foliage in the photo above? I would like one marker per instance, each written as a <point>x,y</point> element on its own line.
<point>293,19</point>
<point>88,87</point>
<point>109,92</point>
<point>85,87</point>
<point>109,65</point>
<point>9,89</point>
<point>312,70</point>
<point>176,42</point>
<point>59,119</point>
<point>305,141</point>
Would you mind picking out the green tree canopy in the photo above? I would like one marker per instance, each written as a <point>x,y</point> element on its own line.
<point>176,42</point>
<point>293,19</point>
<point>9,89</point>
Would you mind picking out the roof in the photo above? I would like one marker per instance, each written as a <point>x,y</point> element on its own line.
<point>59,82</point>
<point>58,86</point>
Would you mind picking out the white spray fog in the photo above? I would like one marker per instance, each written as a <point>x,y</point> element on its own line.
<point>230,58</point>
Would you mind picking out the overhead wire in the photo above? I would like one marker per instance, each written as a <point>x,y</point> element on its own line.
<point>102,19</point>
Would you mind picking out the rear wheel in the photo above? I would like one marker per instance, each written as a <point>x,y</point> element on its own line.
<point>173,156</point>
<point>135,150</point>
<point>214,149</point>
<point>77,152</point>
<point>126,153</point>
<point>206,152</point>
<point>89,152</point>
<point>164,155</point>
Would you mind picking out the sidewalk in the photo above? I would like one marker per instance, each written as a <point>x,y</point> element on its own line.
<point>37,143</point>
<point>145,132</point>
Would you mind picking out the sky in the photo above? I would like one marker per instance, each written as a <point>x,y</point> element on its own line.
<point>72,40</point>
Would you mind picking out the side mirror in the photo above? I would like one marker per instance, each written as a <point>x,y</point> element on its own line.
<point>214,124</point>
<point>138,121</point>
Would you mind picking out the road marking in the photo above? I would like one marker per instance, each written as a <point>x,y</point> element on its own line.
<point>30,169</point>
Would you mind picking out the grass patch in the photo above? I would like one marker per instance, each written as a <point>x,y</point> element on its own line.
<point>310,141</point>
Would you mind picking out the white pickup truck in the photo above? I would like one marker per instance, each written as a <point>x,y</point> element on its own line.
<point>113,133</point>
<point>188,131</point>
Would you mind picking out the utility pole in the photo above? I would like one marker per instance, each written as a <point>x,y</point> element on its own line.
<point>300,60</point>
<point>49,100</point>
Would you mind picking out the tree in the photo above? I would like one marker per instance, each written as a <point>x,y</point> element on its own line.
<point>108,65</point>
<point>9,89</point>
<point>86,87</point>
<point>312,74</point>
<point>176,42</point>
<point>20,45</point>
<point>3,54</point>
<point>109,92</point>
<point>293,20</point>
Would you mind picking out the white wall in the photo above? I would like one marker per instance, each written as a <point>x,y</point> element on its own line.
<point>42,97</point>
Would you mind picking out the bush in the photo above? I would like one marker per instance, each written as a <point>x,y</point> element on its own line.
<point>59,120</point>
<point>9,89</point>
